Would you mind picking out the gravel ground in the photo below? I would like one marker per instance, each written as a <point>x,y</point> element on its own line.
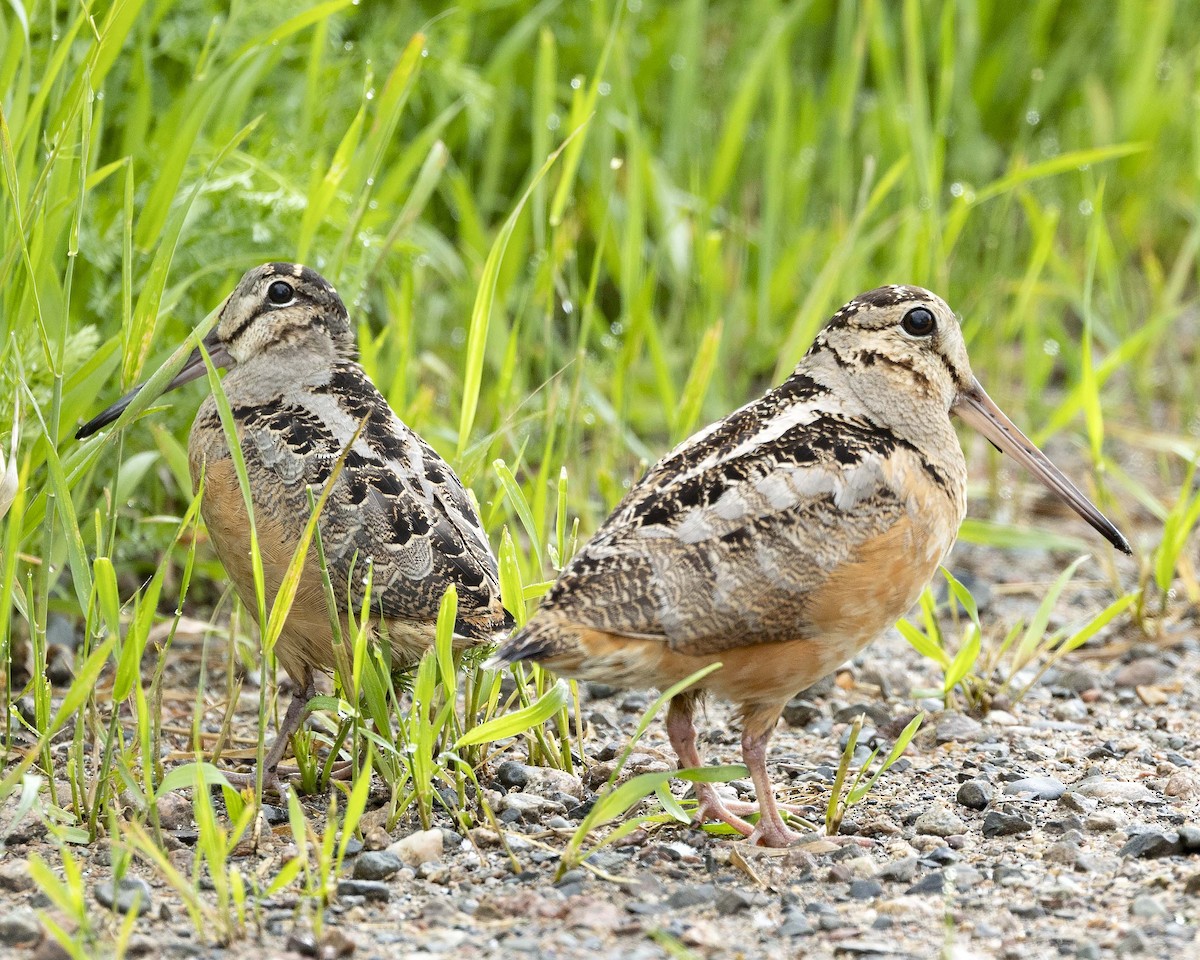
<point>1067,824</point>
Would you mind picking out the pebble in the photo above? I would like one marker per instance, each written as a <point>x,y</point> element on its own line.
<point>367,889</point>
<point>855,868</point>
<point>795,924</point>
<point>1103,822</point>
<point>957,727</point>
<point>15,876</point>
<point>865,889</point>
<point>1189,837</point>
<point>19,926</point>
<point>692,895</point>
<point>424,846</point>
<point>934,883</point>
<point>1147,907</point>
<point>1141,673</point>
<point>729,902</point>
<point>800,712</point>
<point>1040,788</point>
<point>1133,942</point>
<point>940,821</point>
<point>901,871</point>
<point>130,891</point>
<point>377,865</point>
<point>1152,844</point>
<point>997,824</point>
<point>1077,679</point>
<point>976,794</point>
<point>1181,785</point>
<point>1115,791</point>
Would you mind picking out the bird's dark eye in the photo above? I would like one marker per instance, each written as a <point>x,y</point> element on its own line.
<point>280,293</point>
<point>918,322</point>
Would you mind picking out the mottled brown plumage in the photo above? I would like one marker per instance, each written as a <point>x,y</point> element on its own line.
<point>784,538</point>
<point>298,395</point>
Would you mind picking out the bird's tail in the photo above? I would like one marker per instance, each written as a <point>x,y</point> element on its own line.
<point>540,639</point>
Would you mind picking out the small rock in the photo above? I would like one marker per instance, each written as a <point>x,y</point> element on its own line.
<point>513,775</point>
<point>19,926</point>
<point>733,901</point>
<point>174,811</point>
<point>865,889</point>
<point>367,889</point>
<point>976,794</point>
<point>856,868</point>
<point>424,846</point>
<point>957,727</point>
<point>1064,851</point>
<point>50,949</point>
<point>1077,679</point>
<point>901,871</point>
<point>1192,885</point>
<point>800,712</point>
<point>1181,785</point>
<point>1189,837</point>
<point>1141,673</point>
<point>1115,791</point>
<point>15,876</point>
<point>997,824</point>
<point>1133,942</point>
<point>1147,907</point>
<point>795,924</point>
<point>931,883</point>
<point>1152,844</point>
<point>1075,803</point>
<point>692,895</point>
<point>1103,822</point>
<point>335,945</point>
<point>1040,788</point>
<point>303,943</point>
<point>377,865</point>
<point>131,892</point>
<point>940,821</point>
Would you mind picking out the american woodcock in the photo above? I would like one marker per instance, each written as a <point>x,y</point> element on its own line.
<point>298,395</point>
<point>783,539</point>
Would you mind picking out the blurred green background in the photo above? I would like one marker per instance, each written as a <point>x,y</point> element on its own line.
<point>737,170</point>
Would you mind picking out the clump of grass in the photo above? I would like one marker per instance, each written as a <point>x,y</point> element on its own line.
<point>983,673</point>
<point>845,794</point>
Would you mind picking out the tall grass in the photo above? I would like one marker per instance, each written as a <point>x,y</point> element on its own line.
<point>729,173</point>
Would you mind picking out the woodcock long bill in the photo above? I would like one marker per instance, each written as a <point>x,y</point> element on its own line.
<point>781,540</point>
<point>298,397</point>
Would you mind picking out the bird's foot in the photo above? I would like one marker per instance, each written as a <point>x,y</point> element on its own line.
<point>272,782</point>
<point>768,834</point>
<point>710,806</point>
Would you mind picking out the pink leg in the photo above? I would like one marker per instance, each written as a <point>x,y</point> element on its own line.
<point>770,831</point>
<point>682,734</point>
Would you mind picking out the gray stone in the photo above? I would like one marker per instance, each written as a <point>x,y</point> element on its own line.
<point>901,871</point>
<point>976,794</point>
<point>376,865</point>
<point>130,892</point>
<point>367,889</point>
<point>1040,788</point>
<point>931,883</point>
<point>1147,907</point>
<point>1152,844</point>
<point>15,876</point>
<point>1064,851</point>
<point>512,774</point>
<point>19,926</point>
<point>1189,837</point>
<point>865,889</point>
<point>795,924</point>
<point>1133,942</point>
<point>692,895</point>
<point>800,712</point>
<point>1141,673</point>
<point>1115,791</point>
<point>997,824</point>
<point>733,901</point>
<point>957,727</point>
<point>940,821</point>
